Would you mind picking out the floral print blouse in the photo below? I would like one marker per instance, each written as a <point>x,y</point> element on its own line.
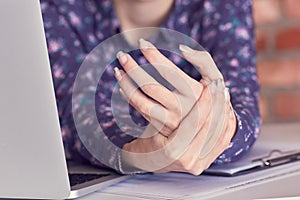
<point>224,28</point>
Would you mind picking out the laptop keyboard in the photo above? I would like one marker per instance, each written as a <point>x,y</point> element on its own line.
<point>76,179</point>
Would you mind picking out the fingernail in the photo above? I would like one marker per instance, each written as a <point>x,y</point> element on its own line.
<point>145,44</point>
<point>226,94</point>
<point>122,57</point>
<point>186,49</point>
<point>117,73</point>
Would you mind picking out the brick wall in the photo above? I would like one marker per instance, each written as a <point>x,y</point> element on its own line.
<point>278,43</point>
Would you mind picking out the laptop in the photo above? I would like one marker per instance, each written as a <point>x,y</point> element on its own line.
<point>32,160</point>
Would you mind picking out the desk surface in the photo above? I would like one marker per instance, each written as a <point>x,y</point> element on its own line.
<point>283,181</point>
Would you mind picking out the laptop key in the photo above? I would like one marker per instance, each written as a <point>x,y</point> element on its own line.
<point>76,179</point>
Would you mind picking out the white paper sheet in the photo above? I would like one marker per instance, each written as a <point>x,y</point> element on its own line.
<point>184,186</point>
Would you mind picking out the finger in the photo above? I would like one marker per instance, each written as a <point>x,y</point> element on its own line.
<point>191,152</point>
<point>136,98</point>
<point>203,61</point>
<point>147,83</point>
<point>199,143</point>
<point>187,162</point>
<point>195,148</point>
<point>153,112</point>
<point>218,117</point>
<point>224,141</point>
<point>190,161</point>
<point>183,83</point>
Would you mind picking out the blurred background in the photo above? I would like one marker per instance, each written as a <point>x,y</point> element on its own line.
<point>278,44</point>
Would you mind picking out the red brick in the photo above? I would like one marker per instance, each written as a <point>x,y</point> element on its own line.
<point>291,9</point>
<point>286,105</point>
<point>288,38</point>
<point>266,11</point>
<point>263,106</point>
<point>261,40</point>
<point>282,73</point>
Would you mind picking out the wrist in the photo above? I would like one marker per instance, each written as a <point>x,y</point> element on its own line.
<point>126,163</point>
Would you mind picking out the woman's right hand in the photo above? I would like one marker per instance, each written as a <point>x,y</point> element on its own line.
<point>182,149</point>
<point>179,151</point>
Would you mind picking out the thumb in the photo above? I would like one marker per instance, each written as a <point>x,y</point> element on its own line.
<point>203,61</point>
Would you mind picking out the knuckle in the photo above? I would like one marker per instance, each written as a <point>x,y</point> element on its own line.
<point>174,105</point>
<point>177,110</point>
<point>166,131</point>
<point>173,123</point>
<point>205,54</point>
<point>158,141</point>
<point>174,119</point>
<point>142,108</point>
<point>150,87</point>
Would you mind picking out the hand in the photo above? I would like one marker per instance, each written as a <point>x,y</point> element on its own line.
<point>203,150</point>
<point>165,109</point>
<point>194,133</point>
<point>171,158</point>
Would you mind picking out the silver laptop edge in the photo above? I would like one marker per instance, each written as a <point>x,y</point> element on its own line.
<point>32,156</point>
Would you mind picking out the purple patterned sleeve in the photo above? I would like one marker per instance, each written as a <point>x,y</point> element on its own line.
<point>228,34</point>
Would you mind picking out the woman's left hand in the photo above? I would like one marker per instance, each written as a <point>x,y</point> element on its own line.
<point>165,109</point>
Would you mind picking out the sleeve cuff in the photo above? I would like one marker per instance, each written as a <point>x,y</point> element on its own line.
<point>242,141</point>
